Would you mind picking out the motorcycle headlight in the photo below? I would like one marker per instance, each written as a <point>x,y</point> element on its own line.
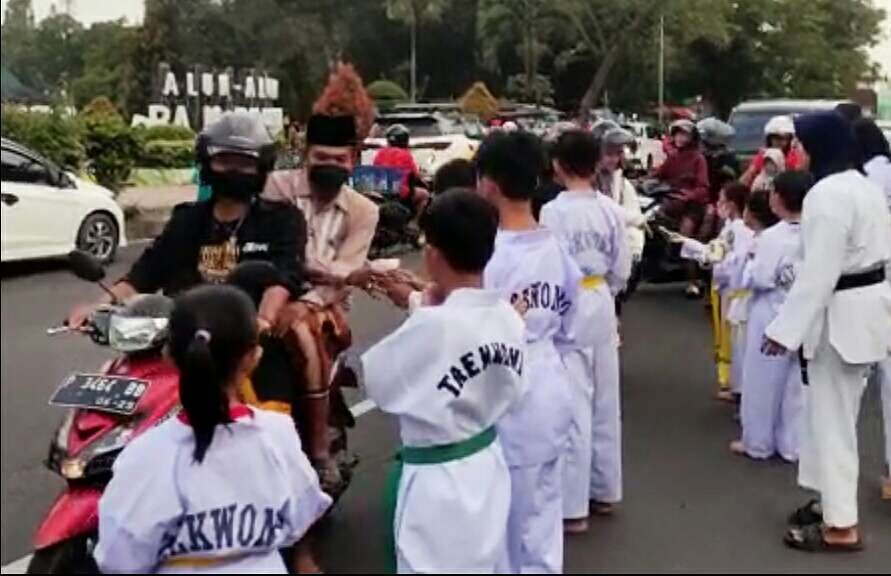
<point>134,334</point>
<point>72,469</point>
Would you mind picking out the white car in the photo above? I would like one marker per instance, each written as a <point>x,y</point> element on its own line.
<point>47,212</point>
<point>647,152</point>
<point>435,140</point>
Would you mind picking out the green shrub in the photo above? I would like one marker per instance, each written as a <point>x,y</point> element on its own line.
<point>111,145</point>
<point>385,91</point>
<point>167,132</point>
<point>55,135</point>
<point>167,154</point>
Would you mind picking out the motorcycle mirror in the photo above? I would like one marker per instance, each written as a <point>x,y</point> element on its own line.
<point>86,267</point>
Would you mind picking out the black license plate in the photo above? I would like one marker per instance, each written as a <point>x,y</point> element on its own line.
<point>114,394</point>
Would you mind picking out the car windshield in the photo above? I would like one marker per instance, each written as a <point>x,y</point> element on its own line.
<point>749,128</point>
<point>422,127</point>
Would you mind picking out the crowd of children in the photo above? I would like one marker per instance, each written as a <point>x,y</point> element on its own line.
<point>508,405</point>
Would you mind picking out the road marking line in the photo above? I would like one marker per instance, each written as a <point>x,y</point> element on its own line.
<point>363,408</point>
<point>21,565</point>
<point>17,567</point>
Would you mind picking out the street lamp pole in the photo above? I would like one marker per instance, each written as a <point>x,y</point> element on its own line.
<point>661,68</point>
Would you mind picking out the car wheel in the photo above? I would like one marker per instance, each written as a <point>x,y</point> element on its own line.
<point>99,236</point>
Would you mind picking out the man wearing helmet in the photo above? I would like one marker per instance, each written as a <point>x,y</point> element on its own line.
<point>723,167</point>
<point>397,156</point>
<point>686,171</point>
<point>779,133</point>
<point>203,242</point>
<point>611,181</point>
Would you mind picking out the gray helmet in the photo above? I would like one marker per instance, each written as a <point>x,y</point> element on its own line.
<point>237,133</point>
<point>142,325</point>
<point>398,136</point>
<point>618,137</point>
<point>714,132</point>
<point>602,127</point>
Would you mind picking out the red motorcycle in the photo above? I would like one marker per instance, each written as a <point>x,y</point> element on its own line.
<point>107,410</point>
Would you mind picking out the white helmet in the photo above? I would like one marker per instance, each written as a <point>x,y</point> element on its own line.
<point>780,126</point>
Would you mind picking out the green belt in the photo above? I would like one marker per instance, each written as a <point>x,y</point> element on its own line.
<point>425,457</point>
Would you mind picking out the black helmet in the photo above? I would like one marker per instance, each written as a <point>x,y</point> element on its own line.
<point>398,136</point>
<point>714,132</point>
<point>237,133</point>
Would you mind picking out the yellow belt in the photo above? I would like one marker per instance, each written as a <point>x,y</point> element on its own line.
<point>737,294</point>
<point>204,561</point>
<point>592,282</point>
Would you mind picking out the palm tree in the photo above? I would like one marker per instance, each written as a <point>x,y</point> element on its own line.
<point>414,13</point>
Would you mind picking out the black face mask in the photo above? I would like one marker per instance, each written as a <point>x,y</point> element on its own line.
<point>326,181</point>
<point>234,186</point>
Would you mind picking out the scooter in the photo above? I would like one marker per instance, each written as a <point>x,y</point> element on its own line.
<point>107,410</point>
<point>661,262</point>
<point>394,234</point>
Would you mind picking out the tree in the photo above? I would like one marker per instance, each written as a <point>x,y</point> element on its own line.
<point>782,48</point>
<point>502,22</point>
<point>609,30</point>
<point>414,13</point>
<point>18,39</point>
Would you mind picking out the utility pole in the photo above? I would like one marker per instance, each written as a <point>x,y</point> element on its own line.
<point>661,69</point>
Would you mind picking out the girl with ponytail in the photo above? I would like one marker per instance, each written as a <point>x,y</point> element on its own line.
<point>222,487</point>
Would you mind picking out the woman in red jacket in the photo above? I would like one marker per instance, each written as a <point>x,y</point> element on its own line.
<point>686,171</point>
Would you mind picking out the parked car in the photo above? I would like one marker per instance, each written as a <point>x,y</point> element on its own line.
<point>647,151</point>
<point>435,140</point>
<point>749,119</point>
<point>48,212</point>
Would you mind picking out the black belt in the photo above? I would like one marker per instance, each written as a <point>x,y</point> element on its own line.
<point>860,280</point>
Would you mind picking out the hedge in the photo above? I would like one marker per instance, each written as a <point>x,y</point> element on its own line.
<point>99,141</point>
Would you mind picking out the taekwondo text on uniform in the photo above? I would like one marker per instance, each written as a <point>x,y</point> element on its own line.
<point>473,364</point>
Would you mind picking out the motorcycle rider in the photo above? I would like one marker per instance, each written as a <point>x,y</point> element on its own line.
<point>723,167</point>
<point>204,241</point>
<point>610,180</point>
<point>397,156</point>
<point>779,133</point>
<point>686,171</point>
<point>341,225</point>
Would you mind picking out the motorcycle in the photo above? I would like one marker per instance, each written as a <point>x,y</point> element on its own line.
<point>661,262</point>
<point>107,410</point>
<point>394,233</point>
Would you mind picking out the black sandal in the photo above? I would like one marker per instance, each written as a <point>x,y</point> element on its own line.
<point>810,513</point>
<point>813,539</point>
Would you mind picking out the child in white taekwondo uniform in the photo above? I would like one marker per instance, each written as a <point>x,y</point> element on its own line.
<point>532,270</point>
<point>773,395</point>
<point>591,228</point>
<point>839,313</point>
<point>727,256</point>
<point>221,488</point>
<point>450,373</point>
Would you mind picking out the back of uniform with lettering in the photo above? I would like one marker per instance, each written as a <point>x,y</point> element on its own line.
<point>532,267</point>
<point>449,373</point>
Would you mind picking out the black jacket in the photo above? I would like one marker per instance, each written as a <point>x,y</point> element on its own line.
<point>178,259</point>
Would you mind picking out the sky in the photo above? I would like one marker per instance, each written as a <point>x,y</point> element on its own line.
<point>89,11</point>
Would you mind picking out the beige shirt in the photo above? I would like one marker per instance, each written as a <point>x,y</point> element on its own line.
<point>339,234</point>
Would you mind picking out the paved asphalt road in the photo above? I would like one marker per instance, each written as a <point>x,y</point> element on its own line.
<point>690,505</point>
